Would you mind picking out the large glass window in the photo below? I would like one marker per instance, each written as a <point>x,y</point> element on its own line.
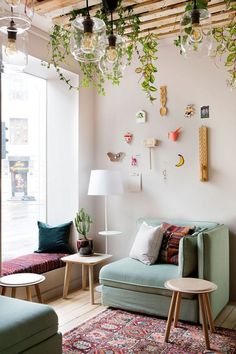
<point>23,120</point>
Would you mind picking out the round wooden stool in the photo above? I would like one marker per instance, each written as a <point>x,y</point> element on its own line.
<point>19,280</point>
<point>191,286</point>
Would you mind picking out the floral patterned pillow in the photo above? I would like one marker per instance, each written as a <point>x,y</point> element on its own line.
<point>172,234</point>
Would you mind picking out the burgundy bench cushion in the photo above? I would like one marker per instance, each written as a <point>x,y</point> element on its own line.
<point>33,263</point>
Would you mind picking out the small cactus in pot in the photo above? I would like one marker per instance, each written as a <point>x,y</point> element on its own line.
<point>82,223</point>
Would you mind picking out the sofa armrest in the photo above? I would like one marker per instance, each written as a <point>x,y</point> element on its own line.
<point>213,264</point>
<point>188,258</point>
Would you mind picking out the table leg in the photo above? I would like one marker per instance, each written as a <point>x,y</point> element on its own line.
<point>170,316</point>
<point>13,292</point>
<point>209,313</point>
<point>37,289</point>
<point>204,320</point>
<point>84,276</point>
<point>28,293</point>
<point>177,308</point>
<point>91,285</point>
<point>67,279</point>
<point>4,288</point>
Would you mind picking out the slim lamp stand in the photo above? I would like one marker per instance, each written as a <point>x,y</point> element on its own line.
<point>106,228</point>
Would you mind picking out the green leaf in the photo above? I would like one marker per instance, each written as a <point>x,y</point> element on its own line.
<point>138,70</point>
<point>152,88</point>
<point>231,57</point>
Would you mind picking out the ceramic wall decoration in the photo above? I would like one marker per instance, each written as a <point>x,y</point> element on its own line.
<point>174,135</point>
<point>141,117</point>
<point>150,143</point>
<point>163,100</point>
<point>115,157</point>
<point>128,137</point>
<point>205,112</point>
<point>189,111</point>
<point>134,161</point>
<point>181,161</point>
<point>203,153</point>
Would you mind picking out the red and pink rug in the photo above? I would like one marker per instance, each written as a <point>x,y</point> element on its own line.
<point>121,332</point>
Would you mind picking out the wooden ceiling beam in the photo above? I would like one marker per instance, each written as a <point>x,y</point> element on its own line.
<point>166,32</point>
<point>216,10</point>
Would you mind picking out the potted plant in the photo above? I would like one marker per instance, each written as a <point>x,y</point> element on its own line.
<point>82,224</point>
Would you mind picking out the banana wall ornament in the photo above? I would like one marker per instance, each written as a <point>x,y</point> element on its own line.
<point>181,161</point>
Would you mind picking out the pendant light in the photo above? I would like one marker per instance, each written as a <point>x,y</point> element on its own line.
<point>20,12</point>
<point>196,31</point>
<point>114,61</point>
<point>13,34</point>
<point>88,38</point>
<point>14,55</point>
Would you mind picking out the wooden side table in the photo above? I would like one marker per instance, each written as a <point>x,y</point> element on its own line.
<point>86,262</point>
<point>192,286</point>
<point>19,280</point>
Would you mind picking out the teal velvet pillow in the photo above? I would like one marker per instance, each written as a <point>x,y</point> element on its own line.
<point>54,239</point>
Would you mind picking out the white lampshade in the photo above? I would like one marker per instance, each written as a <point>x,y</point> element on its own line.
<point>105,182</point>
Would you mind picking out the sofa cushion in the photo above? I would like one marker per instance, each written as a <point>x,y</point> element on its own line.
<point>54,239</point>
<point>128,273</point>
<point>147,244</point>
<point>23,324</point>
<point>172,234</point>
<point>33,263</point>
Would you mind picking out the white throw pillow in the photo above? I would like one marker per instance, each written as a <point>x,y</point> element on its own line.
<point>147,243</point>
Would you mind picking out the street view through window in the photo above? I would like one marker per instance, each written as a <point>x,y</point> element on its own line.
<point>23,162</point>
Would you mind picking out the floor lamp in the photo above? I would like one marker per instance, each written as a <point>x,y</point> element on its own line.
<point>105,183</point>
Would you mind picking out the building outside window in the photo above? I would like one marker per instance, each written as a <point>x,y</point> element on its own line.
<point>23,120</point>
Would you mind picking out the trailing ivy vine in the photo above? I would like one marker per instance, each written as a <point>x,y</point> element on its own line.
<point>226,46</point>
<point>145,47</point>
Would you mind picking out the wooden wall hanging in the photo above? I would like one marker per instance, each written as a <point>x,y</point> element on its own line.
<point>163,100</point>
<point>203,153</point>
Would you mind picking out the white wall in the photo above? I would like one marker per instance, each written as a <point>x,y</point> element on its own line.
<point>182,195</point>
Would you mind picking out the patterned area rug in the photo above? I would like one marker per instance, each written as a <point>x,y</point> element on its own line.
<point>118,332</point>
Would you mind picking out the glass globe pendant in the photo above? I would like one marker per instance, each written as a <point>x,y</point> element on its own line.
<point>88,38</point>
<point>114,61</point>
<point>196,32</point>
<point>20,12</point>
<point>14,56</point>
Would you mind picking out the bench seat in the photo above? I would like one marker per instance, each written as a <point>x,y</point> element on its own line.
<point>33,263</point>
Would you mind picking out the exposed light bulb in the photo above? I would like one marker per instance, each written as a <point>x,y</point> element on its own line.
<point>11,48</point>
<point>88,43</point>
<point>112,54</point>
<point>196,34</point>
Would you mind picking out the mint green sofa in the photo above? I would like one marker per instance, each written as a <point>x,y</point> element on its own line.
<point>28,328</point>
<point>131,285</point>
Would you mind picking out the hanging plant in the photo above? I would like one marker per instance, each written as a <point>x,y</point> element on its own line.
<point>226,46</point>
<point>225,37</point>
<point>147,69</point>
<point>145,47</point>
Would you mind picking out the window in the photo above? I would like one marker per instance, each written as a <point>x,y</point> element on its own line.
<point>23,162</point>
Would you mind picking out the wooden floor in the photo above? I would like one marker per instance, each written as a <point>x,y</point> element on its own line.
<point>77,309</point>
